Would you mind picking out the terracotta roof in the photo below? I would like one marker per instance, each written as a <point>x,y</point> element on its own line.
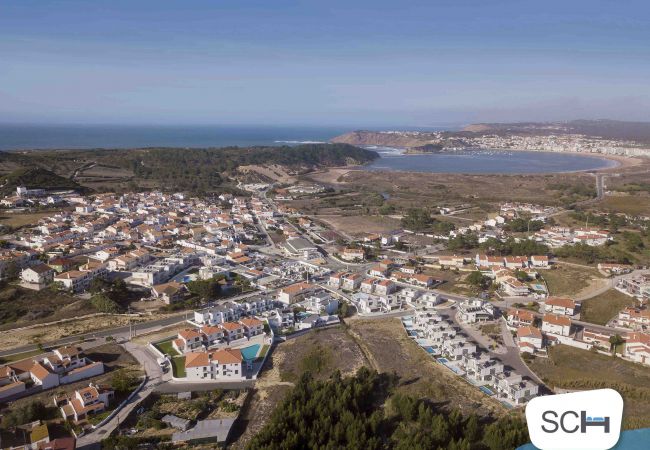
<point>557,320</point>
<point>231,326</point>
<point>201,359</point>
<point>561,301</point>
<point>248,322</point>
<point>529,332</point>
<point>189,334</point>
<point>39,371</point>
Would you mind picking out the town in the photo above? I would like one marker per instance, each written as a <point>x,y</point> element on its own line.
<point>210,287</point>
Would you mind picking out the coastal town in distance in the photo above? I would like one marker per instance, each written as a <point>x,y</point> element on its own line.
<point>142,310</point>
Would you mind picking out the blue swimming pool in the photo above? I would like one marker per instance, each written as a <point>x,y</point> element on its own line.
<point>486,390</point>
<point>428,349</point>
<point>442,360</point>
<point>249,353</point>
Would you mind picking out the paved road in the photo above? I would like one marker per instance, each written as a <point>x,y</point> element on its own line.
<point>117,333</point>
<point>154,377</point>
<point>122,332</point>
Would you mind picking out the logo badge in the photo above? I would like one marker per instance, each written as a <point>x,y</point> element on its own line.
<point>579,420</point>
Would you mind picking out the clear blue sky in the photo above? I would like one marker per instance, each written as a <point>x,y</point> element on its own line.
<point>336,62</point>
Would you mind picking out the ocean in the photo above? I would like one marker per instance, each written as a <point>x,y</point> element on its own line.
<point>27,137</point>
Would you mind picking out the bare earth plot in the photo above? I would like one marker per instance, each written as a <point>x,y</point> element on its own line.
<point>574,369</point>
<point>604,307</point>
<point>355,225</point>
<point>389,350</point>
<point>572,281</point>
<point>48,333</point>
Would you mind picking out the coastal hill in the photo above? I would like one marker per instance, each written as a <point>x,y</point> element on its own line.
<point>34,178</point>
<point>179,169</point>
<point>592,136</point>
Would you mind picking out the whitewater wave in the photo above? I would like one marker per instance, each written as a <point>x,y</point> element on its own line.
<point>300,142</point>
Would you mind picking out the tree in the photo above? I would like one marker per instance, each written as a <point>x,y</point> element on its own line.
<point>123,381</point>
<point>478,280</point>
<point>105,304</point>
<point>205,289</point>
<point>417,219</point>
<point>614,342</point>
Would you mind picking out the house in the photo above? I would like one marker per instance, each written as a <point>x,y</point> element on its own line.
<point>232,331</point>
<point>252,326</point>
<point>515,389</point>
<point>385,287</point>
<point>188,340</point>
<point>296,292</point>
<point>351,281</point>
<point>39,274</point>
<point>475,310</point>
<point>451,261</point>
<point>516,262</point>
<point>65,359</point>
<point>529,339</point>
<point>74,280</point>
<point>169,293</point>
<point>519,317</point>
<point>635,318</point>
<point>212,334</point>
<point>556,324</point>
<point>335,279</point>
<point>378,270</point>
<point>637,347</point>
<point>598,338</point>
<point>85,402</point>
<point>43,377</point>
<point>225,364</point>
<point>560,305</point>
<point>352,254</point>
<point>513,287</point>
<point>483,368</point>
<point>539,261</point>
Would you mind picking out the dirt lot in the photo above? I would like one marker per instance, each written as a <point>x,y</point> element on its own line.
<point>356,225</point>
<point>602,308</point>
<point>575,369</point>
<point>572,281</point>
<point>20,307</point>
<point>48,333</point>
<point>389,350</point>
<point>16,220</point>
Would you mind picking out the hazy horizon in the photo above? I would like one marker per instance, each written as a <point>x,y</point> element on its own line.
<point>360,64</point>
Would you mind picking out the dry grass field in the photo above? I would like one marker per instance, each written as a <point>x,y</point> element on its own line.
<point>575,369</point>
<point>388,349</point>
<point>572,281</point>
<point>602,308</point>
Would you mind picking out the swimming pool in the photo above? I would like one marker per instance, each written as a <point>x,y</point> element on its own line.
<point>486,390</point>
<point>429,349</point>
<point>442,360</point>
<point>249,353</point>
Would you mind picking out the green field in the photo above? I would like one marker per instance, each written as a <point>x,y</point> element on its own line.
<point>178,366</point>
<point>602,308</point>
<point>575,369</point>
<point>166,348</point>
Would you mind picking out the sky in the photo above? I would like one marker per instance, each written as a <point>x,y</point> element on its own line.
<point>327,62</point>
